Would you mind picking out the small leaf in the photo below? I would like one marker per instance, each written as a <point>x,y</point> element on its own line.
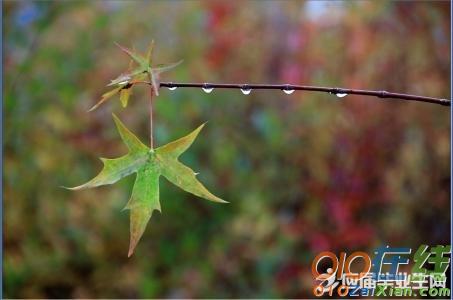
<point>105,97</point>
<point>149,54</point>
<point>123,79</point>
<point>164,68</point>
<point>124,96</point>
<point>140,60</point>
<point>128,78</point>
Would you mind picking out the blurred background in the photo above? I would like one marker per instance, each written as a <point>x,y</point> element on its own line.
<point>303,173</point>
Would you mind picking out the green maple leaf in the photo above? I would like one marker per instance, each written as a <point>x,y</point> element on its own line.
<point>142,72</point>
<point>149,164</point>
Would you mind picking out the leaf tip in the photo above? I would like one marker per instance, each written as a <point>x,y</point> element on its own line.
<point>93,108</point>
<point>199,128</point>
<point>118,123</point>
<point>131,251</point>
<point>219,200</point>
<point>75,188</point>
<point>132,244</point>
<point>135,237</point>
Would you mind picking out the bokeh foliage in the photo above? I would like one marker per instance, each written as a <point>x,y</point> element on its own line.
<point>303,173</point>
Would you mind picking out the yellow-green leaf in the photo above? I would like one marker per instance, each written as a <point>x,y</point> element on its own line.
<point>149,164</point>
<point>124,96</point>
<point>105,97</point>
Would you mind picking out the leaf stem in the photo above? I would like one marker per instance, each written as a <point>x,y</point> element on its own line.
<point>151,95</point>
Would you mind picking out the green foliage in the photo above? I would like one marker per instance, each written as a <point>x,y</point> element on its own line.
<point>126,81</point>
<point>149,164</point>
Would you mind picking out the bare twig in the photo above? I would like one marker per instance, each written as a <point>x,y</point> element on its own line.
<point>289,87</point>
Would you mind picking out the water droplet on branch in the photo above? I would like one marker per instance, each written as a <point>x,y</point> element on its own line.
<point>207,89</point>
<point>246,90</point>
<point>288,91</point>
<point>341,95</point>
<point>172,88</point>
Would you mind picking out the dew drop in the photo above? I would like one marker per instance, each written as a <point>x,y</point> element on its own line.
<point>341,95</point>
<point>207,89</point>
<point>172,88</point>
<point>288,91</point>
<point>246,90</point>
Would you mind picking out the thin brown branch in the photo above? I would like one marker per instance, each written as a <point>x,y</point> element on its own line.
<point>289,87</point>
